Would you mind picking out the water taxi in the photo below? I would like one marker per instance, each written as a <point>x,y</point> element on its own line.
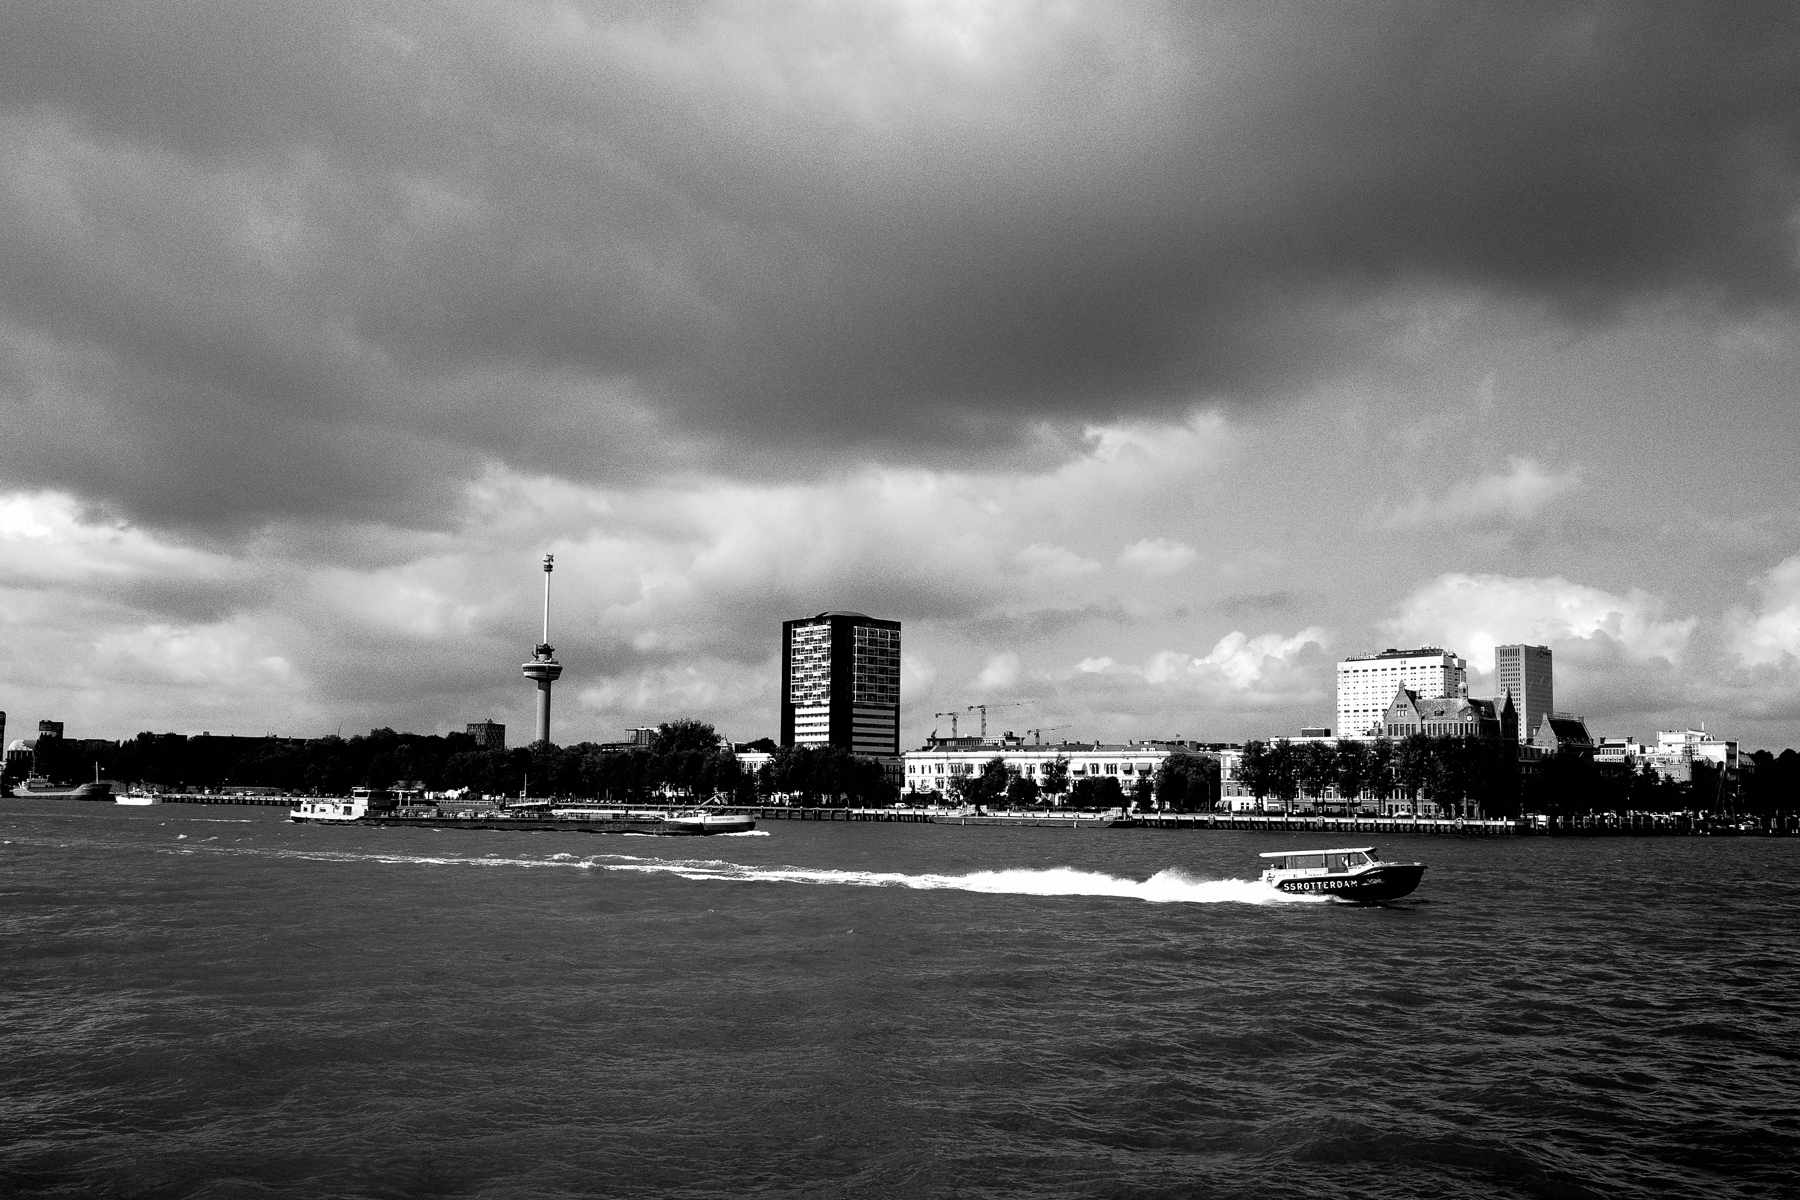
<point>1348,873</point>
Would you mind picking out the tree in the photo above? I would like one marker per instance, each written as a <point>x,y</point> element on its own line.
<point>1381,768</point>
<point>1708,787</point>
<point>990,785</point>
<point>1453,772</point>
<point>1315,768</point>
<point>1021,792</point>
<point>1495,788</point>
<point>829,775</point>
<point>1353,767</point>
<point>1098,792</point>
<point>1284,776</point>
<point>1412,765</point>
<point>1566,782</point>
<point>1771,783</point>
<point>1056,776</point>
<point>1143,794</point>
<point>1253,769</point>
<point>1187,782</point>
<point>684,737</point>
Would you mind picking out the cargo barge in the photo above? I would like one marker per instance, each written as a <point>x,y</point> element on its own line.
<point>363,808</point>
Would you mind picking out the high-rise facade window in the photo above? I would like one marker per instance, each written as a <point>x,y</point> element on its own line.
<point>1525,671</point>
<point>488,735</point>
<point>1367,685</point>
<point>840,683</point>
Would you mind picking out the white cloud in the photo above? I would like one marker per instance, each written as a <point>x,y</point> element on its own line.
<point>1044,562</point>
<point>1094,666</point>
<point>1001,671</point>
<point>1520,492</point>
<point>667,598</point>
<point>233,656</point>
<point>916,676</point>
<point>1771,636</point>
<point>46,539</point>
<point>1263,669</point>
<point>1471,614</point>
<point>1157,556</point>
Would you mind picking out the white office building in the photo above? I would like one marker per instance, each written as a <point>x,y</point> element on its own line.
<point>1367,685</point>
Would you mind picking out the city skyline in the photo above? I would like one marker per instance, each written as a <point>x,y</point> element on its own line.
<point>1143,363</point>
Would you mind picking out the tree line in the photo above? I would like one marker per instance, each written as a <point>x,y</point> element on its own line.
<point>683,758</point>
<point>1468,775</point>
<point>1183,783</point>
<point>688,758</point>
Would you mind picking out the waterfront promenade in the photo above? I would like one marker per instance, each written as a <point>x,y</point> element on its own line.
<point>1580,825</point>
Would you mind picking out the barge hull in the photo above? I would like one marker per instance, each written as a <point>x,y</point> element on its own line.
<point>516,825</point>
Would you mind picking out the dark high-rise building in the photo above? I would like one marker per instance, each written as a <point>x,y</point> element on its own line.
<point>50,729</point>
<point>840,683</point>
<point>488,735</point>
<point>1525,672</point>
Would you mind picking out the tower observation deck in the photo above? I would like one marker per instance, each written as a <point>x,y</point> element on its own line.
<point>543,669</point>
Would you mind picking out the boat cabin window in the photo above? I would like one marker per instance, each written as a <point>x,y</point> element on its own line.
<point>1301,862</point>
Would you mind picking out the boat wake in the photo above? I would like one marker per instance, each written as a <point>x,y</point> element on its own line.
<point>1170,886</point>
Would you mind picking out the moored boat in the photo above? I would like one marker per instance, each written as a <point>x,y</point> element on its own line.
<point>1348,873</point>
<point>361,809</point>
<point>701,821</point>
<point>39,788</point>
<point>1046,819</point>
<point>136,798</point>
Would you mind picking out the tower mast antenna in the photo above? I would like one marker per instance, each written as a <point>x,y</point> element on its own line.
<point>543,669</point>
<point>549,566</point>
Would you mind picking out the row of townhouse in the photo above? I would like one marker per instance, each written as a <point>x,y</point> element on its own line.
<point>1674,753</point>
<point>929,771</point>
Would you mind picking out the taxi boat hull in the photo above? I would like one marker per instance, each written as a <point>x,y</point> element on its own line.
<point>1386,881</point>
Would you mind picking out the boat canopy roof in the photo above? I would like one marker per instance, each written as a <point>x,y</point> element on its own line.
<point>1339,850</point>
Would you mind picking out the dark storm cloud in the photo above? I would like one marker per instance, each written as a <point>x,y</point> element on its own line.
<point>322,259</point>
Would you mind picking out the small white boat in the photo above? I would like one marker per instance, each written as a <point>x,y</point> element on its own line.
<point>137,799</point>
<point>1347,873</point>
<point>333,810</point>
<point>700,821</point>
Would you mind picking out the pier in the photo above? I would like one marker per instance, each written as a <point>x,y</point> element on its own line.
<point>1575,825</point>
<point>1266,823</point>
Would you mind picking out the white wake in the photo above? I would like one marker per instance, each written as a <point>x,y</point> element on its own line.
<point>1169,886</point>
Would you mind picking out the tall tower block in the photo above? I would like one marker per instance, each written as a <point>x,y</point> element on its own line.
<point>543,667</point>
<point>840,683</point>
<point>1526,672</point>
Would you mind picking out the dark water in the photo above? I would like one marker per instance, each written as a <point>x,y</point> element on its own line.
<point>213,1002</point>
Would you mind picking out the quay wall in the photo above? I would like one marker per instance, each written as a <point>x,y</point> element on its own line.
<point>1585,825</point>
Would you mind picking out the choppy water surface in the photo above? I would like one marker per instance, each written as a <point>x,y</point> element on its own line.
<point>213,1002</point>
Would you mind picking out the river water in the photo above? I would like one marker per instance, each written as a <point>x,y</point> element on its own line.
<point>214,1002</point>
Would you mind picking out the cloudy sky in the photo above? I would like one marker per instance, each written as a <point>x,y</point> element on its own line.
<point>1143,360</point>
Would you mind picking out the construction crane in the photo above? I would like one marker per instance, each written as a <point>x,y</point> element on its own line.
<point>1036,734</point>
<point>983,709</point>
<point>952,717</point>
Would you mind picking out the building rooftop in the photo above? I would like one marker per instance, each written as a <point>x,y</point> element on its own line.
<point>1392,653</point>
